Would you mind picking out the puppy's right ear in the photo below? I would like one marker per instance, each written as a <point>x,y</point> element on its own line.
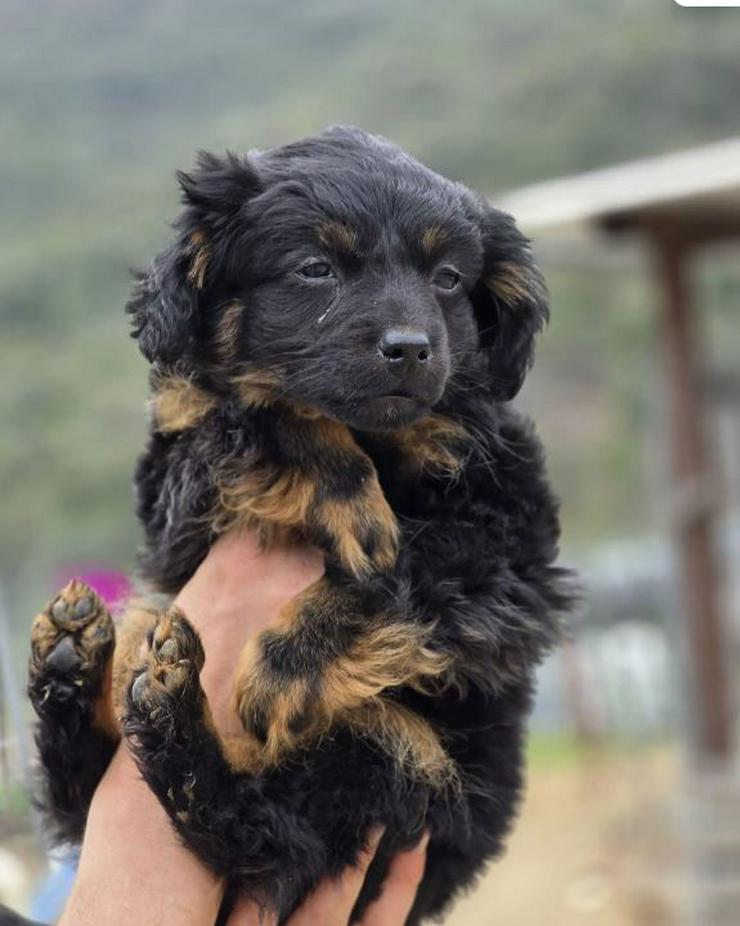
<point>167,303</point>
<point>164,305</point>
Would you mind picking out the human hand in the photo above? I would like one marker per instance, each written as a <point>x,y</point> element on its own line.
<point>332,902</point>
<point>132,866</point>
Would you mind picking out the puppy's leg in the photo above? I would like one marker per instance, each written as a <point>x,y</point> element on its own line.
<point>72,644</point>
<point>209,787</point>
<point>169,728</point>
<point>328,663</point>
<point>324,487</point>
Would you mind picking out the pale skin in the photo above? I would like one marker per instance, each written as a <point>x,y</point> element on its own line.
<point>132,867</point>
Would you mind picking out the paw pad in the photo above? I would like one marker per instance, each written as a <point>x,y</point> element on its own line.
<point>83,608</point>
<point>63,658</point>
<point>60,610</point>
<point>76,605</point>
<point>168,651</point>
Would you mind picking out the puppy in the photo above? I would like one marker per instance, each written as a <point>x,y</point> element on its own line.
<point>335,335</point>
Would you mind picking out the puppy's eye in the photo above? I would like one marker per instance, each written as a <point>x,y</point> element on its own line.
<point>447,279</point>
<point>316,270</point>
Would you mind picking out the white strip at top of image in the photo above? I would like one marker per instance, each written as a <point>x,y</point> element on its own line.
<point>708,2</point>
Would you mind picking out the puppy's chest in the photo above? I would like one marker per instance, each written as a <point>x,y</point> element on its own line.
<point>367,499</point>
<point>371,513</point>
<point>430,508</point>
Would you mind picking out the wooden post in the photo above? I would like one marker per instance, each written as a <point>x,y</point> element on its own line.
<point>585,721</point>
<point>695,505</point>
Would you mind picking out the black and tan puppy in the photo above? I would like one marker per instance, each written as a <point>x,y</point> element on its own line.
<point>335,334</point>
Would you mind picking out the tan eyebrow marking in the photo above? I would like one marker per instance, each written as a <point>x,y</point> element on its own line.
<point>433,238</point>
<point>510,282</point>
<point>337,235</point>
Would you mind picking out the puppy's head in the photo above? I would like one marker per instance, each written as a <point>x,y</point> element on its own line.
<point>341,274</point>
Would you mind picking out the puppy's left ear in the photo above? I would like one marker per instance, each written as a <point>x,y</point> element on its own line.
<point>510,302</point>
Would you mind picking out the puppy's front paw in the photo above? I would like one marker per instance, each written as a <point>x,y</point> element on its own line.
<point>71,646</point>
<point>362,529</point>
<point>169,682</point>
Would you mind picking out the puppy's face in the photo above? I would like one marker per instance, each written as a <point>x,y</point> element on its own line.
<point>353,280</point>
<point>356,294</point>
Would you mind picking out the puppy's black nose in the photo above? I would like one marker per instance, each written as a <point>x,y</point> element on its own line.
<point>403,347</point>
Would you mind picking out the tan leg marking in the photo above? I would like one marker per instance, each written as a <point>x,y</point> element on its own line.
<point>131,648</point>
<point>408,738</point>
<point>265,499</point>
<point>347,690</point>
<point>362,529</point>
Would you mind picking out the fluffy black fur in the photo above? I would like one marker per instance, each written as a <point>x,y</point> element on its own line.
<point>338,282</point>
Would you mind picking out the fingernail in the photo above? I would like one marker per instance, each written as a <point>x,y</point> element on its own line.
<point>374,836</point>
<point>421,845</point>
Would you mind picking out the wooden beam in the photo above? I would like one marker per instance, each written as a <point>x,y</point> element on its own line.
<point>696,489</point>
<point>690,226</point>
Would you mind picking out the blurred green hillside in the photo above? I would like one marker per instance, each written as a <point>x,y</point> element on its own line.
<point>100,101</point>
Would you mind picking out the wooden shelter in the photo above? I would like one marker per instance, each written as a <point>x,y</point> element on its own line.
<point>675,204</point>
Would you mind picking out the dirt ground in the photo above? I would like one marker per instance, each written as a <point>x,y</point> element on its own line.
<point>593,845</point>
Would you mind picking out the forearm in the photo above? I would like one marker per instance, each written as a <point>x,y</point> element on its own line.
<point>132,867</point>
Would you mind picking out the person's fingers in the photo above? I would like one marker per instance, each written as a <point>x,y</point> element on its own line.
<point>248,913</point>
<point>399,888</point>
<point>332,902</point>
